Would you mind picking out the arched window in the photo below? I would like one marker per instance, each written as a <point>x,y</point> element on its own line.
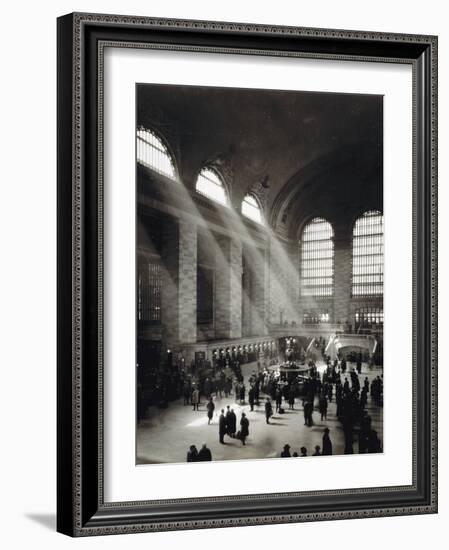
<point>368,255</point>
<point>211,185</point>
<point>149,288</point>
<point>317,259</point>
<point>251,209</point>
<point>152,153</point>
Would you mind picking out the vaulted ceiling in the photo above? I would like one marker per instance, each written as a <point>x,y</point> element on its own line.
<point>306,152</point>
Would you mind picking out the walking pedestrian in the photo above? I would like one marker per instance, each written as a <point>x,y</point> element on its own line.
<point>210,410</point>
<point>268,411</point>
<point>196,399</point>
<point>323,406</point>
<point>244,428</point>
<point>222,426</point>
<point>327,443</point>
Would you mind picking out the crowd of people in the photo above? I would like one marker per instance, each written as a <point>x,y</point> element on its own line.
<point>160,387</point>
<point>221,382</point>
<point>275,389</point>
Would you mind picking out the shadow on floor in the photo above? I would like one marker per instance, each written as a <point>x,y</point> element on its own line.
<point>46,520</point>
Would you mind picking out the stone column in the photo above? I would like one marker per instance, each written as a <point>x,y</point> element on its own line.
<point>260,319</point>
<point>257,261</point>
<point>246,296</point>
<point>187,281</point>
<point>342,279</point>
<point>178,296</point>
<point>228,289</point>
<point>169,290</point>
<point>293,282</point>
<point>277,285</point>
<point>267,289</point>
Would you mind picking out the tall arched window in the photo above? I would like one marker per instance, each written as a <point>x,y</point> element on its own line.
<point>251,209</point>
<point>152,153</point>
<point>210,184</point>
<point>317,259</point>
<point>368,255</point>
<point>149,288</point>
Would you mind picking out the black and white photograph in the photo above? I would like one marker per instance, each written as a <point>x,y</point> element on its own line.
<point>222,285</point>
<point>259,278</point>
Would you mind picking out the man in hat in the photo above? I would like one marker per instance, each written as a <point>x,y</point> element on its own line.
<point>228,420</point>
<point>207,389</point>
<point>204,454</point>
<point>327,443</point>
<point>244,428</point>
<point>192,455</point>
<point>210,410</point>
<point>268,411</point>
<point>222,426</point>
<point>231,422</point>
<point>308,412</point>
<point>195,399</point>
<point>251,397</point>
<point>286,452</point>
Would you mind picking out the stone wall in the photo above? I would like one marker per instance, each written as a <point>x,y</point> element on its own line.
<point>228,288</point>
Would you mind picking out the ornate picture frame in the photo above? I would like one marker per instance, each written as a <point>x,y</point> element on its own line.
<point>81,507</point>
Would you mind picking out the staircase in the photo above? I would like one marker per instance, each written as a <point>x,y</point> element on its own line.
<point>336,342</point>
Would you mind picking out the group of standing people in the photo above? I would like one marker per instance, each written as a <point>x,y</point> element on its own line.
<point>227,425</point>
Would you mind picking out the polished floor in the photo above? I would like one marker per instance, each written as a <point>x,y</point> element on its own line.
<point>166,435</point>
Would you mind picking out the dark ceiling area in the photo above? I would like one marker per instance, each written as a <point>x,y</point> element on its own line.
<point>312,151</point>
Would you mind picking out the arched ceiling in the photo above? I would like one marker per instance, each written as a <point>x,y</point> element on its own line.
<point>304,150</point>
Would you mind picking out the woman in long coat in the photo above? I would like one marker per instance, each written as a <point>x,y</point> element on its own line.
<point>278,399</point>
<point>231,421</point>
<point>291,398</point>
<point>327,443</point>
<point>244,428</point>
<point>210,410</point>
<point>221,426</point>
<point>207,388</point>
<point>323,406</point>
<point>242,393</point>
<point>268,411</point>
<point>192,454</point>
<point>195,399</point>
<point>251,397</point>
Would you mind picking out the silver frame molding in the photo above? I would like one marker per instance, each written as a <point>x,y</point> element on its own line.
<point>81,42</point>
